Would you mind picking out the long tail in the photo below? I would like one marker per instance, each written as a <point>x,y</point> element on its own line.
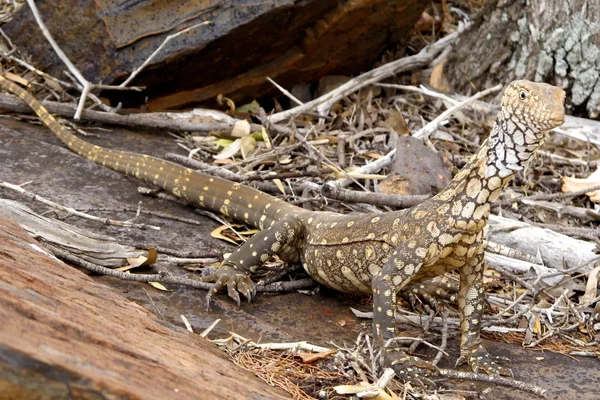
<point>212,193</point>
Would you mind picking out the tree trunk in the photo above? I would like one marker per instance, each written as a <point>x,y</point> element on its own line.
<point>555,41</point>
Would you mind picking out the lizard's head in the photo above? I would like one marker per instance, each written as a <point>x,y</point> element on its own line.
<point>537,105</point>
<point>528,111</point>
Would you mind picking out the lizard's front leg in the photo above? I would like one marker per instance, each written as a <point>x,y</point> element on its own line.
<point>397,272</point>
<point>470,304</point>
<point>236,270</point>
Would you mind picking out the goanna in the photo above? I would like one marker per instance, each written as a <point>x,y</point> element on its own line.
<point>377,254</point>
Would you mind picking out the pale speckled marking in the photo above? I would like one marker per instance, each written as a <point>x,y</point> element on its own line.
<point>433,229</point>
<point>474,187</point>
<point>467,211</point>
<point>349,274</point>
<point>325,278</point>
<point>483,196</point>
<point>480,211</point>
<point>374,269</point>
<point>446,239</point>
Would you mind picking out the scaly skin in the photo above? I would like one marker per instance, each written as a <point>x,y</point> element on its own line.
<point>379,254</point>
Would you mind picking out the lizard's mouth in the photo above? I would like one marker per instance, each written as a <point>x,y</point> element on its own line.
<point>558,120</point>
<point>557,111</point>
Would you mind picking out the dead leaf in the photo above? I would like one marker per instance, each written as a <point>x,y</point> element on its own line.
<point>373,391</point>
<point>575,184</point>
<point>159,286</point>
<point>249,107</point>
<point>437,80</point>
<point>266,138</point>
<point>230,150</point>
<point>135,262</point>
<point>397,122</point>
<point>247,146</point>
<point>308,358</point>
<point>249,232</point>
<point>349,389</point>
<point>279,185</point>
<point>285,159</point>
<point>537,326</point>
<point>218,234</point>
<point>425,23</point>
<point>591,288</point>
<point>152,256</point>
<point>221,142</point>
<point>372,155</point>
<point>447,24</point>
<point>241,129</point>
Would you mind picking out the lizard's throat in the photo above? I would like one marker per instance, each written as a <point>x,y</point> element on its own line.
<point>510,145</point>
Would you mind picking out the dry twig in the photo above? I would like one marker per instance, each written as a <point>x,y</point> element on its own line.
<point>106,221</point>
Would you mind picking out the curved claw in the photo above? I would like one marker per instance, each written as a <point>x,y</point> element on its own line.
<point>232,291</point>
<point>480,360</point>
<point>235,281</point>
<point>247,290</point>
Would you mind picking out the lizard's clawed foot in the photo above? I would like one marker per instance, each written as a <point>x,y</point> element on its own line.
<point>409,368</point>
<point>480,361</point>
<point>236,281</point>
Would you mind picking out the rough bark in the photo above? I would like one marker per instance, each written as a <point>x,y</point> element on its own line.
<point>555,41</point>
<point>289,41</point>
<point>65,336</point>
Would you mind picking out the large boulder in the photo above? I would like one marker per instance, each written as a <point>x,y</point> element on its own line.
<point>289,41</point>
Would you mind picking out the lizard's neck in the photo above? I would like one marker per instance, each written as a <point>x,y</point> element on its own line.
<point>508,149</point>
<point>510,145</point>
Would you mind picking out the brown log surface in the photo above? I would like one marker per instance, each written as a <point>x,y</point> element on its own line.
<point>247,41</point>
<point>65,335</point>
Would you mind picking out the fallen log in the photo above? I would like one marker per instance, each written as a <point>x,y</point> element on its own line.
<point>66,336</point>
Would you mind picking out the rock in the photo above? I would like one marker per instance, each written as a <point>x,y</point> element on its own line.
<point>247,41</point>
<point>66,336</point>
<point>416,170</point>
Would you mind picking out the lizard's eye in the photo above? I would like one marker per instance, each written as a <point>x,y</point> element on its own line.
<point>523,94</point>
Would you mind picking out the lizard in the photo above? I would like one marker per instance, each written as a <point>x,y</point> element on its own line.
<point>378,254</point>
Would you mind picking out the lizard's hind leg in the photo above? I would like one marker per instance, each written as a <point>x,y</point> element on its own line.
<point>235,272</point>
<point>394,277</point>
